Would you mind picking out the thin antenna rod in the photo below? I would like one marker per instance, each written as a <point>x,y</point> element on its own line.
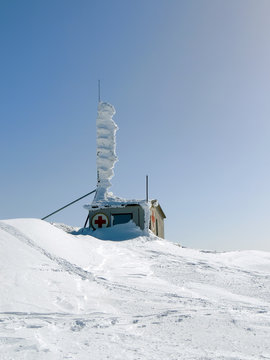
<point>99,91</point>
<point>147,188</point>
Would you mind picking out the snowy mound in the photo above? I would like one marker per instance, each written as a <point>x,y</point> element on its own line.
<point>119,232</point>
<point>79,297</point>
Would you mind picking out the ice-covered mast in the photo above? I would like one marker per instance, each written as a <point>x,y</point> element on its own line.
<point>106,150</point>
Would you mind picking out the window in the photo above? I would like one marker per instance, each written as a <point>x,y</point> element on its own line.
<point>121,218</point>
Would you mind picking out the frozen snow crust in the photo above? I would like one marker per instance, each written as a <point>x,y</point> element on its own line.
<point>79,297</point>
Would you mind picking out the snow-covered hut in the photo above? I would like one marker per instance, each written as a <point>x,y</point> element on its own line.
<point>107,209</point>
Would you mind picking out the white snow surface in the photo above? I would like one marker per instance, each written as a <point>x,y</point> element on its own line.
<point>106,150</point>
<point>67,296</point>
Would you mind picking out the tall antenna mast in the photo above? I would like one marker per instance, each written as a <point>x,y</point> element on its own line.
<point>98,179</point>
<point>147,189</point>
<point>99,91</point>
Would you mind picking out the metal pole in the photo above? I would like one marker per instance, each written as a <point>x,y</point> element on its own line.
<point>147,188</point>
<point>45,217</point>
<point>98,91</point>
<point>86,221</point>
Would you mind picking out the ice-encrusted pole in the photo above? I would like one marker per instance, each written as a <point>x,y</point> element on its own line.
<point>106,153</point>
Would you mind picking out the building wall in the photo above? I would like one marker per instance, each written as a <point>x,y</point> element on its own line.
<point>157,221</point>
<point>156,216</point>
<point>136,211</point>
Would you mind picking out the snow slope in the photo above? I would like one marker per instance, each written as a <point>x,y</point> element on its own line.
<point>69,296</point>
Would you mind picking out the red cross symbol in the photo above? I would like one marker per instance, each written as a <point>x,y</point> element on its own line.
<point>100,221</point>
<point>153,219</point>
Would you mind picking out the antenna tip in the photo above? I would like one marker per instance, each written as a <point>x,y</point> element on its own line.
<point>99,91</point>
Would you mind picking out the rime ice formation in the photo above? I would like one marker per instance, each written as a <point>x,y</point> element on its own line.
<point>106,159</point>
<point>106,154</point>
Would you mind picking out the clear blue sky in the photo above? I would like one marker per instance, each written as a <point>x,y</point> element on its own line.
<point>190,81</point>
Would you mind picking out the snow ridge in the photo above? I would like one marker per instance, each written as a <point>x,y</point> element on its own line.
<point>64,264</point>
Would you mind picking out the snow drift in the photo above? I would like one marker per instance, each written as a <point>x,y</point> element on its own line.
<point>78,297</point>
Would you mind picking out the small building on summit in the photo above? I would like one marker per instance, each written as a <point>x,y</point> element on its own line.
<point>107,215</point>
<point>108,210</point>
<point>116,214</point>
